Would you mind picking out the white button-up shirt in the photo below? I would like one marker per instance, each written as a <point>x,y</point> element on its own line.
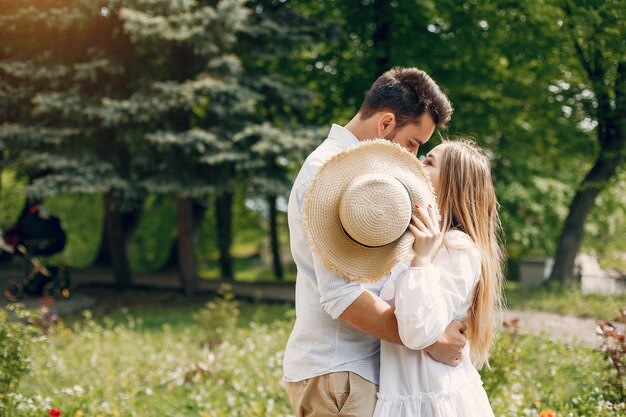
<point>320,343</point>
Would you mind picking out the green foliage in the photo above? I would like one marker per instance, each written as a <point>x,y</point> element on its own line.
<point>605,231</point>
<point>614,348</point>
<point>526,211</point>
<point>248,233</point>
<point>167,370</point>
<point>82,218</point>
<point>17,339</point>
<point>529,374</point>
<point>219,316</point>
<point>12,198</point>
<point>154,238</point>
<point>522,93</point>
<point>176,97</point>
<point>154,361</point>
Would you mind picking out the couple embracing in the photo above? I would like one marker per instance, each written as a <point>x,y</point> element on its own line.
<point>399,269</point>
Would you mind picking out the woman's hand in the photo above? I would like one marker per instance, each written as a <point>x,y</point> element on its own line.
<point>425,228</point>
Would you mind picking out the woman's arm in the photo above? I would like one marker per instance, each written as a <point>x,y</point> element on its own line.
<point>428,298</point>
<point>425,303</point>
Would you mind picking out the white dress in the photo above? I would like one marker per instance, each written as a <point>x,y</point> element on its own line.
<point>412,384</point>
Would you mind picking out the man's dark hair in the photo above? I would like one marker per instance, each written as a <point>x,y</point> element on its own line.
<point>407,93</point>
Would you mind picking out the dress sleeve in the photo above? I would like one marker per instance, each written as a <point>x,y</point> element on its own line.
<point>428,299</point>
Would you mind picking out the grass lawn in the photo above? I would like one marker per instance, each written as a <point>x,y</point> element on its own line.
<point>564,300</point>
<point>158,354</point>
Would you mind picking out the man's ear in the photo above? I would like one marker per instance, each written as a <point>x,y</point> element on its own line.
<point>386,124</point>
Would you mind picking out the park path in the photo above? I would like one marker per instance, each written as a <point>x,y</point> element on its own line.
<point>557,327</point>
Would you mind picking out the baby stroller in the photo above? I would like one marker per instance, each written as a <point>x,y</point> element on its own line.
<point>33,235</point>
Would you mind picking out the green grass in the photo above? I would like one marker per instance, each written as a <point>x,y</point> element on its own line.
<point>159,354</point>
<point>564,300</point>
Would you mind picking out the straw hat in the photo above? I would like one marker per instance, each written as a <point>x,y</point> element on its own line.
<point>359,205</point>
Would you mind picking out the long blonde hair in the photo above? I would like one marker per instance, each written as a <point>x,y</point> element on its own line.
<point>467,201</point>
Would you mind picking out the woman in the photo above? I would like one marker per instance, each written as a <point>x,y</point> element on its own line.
<point>456,274</point>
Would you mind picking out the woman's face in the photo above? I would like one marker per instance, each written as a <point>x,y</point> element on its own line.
<point>432,163</point>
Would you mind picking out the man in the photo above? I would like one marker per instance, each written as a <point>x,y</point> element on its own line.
<point>331,362</point>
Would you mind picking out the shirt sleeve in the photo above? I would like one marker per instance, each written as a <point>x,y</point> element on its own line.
<point>336,293</point>
<point>428,299</point>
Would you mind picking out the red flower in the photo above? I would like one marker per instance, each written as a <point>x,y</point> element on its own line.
<point>547,413</point>
<point>55,413</point>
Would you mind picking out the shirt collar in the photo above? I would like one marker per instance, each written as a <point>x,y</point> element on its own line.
<point>342,135</point>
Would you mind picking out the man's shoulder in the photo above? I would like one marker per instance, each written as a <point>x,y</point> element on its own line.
<point>313,163</point>
<point>323,152</point>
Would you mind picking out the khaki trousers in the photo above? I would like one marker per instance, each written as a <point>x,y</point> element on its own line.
<point>335,394</point>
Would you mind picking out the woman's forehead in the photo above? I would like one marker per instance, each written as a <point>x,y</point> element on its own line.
<point>437,150</point>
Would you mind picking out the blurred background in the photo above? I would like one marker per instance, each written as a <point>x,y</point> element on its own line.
<point>149,146</point>
<point>164,134</point>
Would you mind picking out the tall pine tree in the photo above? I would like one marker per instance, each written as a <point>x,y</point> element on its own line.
<point>58,61</point>
<point>187,111</point>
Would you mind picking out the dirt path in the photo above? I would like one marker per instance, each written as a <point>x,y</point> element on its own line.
<point>556,327</point>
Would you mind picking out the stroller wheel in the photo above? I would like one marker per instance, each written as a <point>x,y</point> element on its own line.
<point>13,290</point>
<point>53,291</point>
<point>49,290</point>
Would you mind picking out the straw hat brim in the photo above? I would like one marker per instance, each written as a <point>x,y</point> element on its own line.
<point>326,235</point>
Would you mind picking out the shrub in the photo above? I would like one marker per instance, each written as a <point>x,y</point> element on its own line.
<point>529,374</point>
<point>614,348</point>
<point>16,339</point>
<point>218,317</point>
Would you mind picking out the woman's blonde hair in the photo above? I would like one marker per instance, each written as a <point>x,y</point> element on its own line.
<point>467,201</point>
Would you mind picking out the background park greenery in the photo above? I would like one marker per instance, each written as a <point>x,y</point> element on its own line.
<point>165,135</point>
<point>144,360</point>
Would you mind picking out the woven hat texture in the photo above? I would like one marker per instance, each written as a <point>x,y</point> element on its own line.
<point>359,205</point>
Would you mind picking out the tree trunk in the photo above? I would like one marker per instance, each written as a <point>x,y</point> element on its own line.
<point>224,208</point>
<point>275,244</point>
<point>188,222</point>
<point>611,131</point>
<point>572,234</point>
<point>186,255</point>
<point>596,180</point>
<point>119,229</point>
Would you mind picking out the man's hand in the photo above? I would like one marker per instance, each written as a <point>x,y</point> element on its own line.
<point>449,346</point>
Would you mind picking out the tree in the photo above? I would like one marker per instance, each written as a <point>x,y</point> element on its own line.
<point>152,110</point>
<point>58,61</point>
<point>273,154</point>
<point>274,48</point>
<point>596,41</point>
<point>189,107</point>
<point>510,69</point>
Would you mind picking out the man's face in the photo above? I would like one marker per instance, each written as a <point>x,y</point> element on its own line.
<point>412,135</point>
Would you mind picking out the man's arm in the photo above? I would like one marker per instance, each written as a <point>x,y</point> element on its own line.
<point>375,317</point>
